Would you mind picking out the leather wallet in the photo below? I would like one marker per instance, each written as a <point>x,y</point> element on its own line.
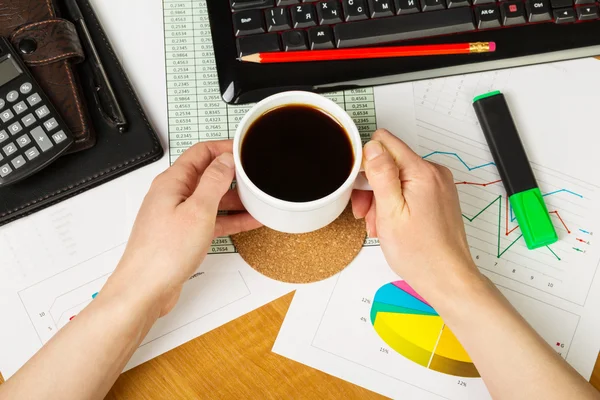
<point>114,154</point>
<point>50,47</point>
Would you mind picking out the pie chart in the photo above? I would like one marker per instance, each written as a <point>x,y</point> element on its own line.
<point>411,327</point>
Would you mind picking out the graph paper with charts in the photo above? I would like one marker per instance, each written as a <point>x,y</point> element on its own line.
<point>368,326</point>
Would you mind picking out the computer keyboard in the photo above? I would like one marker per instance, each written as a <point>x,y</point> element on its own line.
<point>526,32</point>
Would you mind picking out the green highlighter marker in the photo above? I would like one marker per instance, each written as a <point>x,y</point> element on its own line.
<point>509,155</point>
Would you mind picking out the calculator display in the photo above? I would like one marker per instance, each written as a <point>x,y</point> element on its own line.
<point>9,70</point>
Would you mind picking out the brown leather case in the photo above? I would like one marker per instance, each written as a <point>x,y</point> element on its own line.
<point>50,47</point>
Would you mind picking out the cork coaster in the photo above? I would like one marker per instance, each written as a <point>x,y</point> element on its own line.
<point>303,258</point>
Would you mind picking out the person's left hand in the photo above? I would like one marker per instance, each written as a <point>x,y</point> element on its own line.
<point>177,223</point>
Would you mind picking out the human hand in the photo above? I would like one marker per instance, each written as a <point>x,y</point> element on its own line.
<point>414,210</point>
<point>177,223</point>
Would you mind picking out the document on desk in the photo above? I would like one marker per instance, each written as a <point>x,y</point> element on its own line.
<point>197,112</point>
<point>367,326</point>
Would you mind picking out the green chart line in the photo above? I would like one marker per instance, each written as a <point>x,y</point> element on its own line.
<point>499,251</point>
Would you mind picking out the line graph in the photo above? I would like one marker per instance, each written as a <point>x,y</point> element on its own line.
<point>496,241</point>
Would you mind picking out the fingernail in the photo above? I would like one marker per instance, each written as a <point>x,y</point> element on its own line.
<point>372,150</point>
<point>368,230</point>
<point>227,160</point>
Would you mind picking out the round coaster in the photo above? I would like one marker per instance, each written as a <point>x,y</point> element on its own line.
<point>303,258</point>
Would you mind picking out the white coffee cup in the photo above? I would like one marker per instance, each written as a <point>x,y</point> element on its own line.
<point>287,216</point>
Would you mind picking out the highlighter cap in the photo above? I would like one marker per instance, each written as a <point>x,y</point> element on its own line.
<point>534,219</point>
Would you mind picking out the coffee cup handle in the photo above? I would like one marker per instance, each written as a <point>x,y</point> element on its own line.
<point>362,183</point>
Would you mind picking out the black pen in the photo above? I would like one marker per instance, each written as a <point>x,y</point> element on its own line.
<point>105,90</point>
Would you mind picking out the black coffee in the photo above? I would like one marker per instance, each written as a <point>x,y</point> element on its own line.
<point>297,153</point>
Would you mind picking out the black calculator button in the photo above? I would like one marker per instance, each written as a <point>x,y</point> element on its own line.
<point>32,153</point>
<point>15,128</point>
<point>41,139</point>
<point>9,149</point>
<point>42,112</point>
<point>28,120</point>
<point>26,88</point>
<point>304,16</point>
<point>12,96</point>
<point>20,108</point>
<point>278,19</point>
<point>59,137</point>
<point>248,22</point>
<point>294,40</point>
<point>5,170</point>
<point>34,99</point>
<point>329,12</point>
<point>2,103</point>
<point>587,13</point>
<point>23,141</point>
<point>18,162</point>
<point>3,137</point>
<point>7,116</point>
<point>51,124</point>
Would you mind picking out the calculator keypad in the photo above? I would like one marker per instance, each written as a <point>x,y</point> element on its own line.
<point>28,130</point>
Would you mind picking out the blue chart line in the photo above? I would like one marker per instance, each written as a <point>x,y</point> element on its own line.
<point>445,153</point>
<point>469,168</point>
<point>584,231</point>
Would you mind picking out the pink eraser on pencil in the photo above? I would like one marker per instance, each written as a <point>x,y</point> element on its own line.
<point>492,46</point>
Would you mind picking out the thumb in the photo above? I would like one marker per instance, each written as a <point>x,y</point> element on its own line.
<point>384,177</point>
<point>213,185</point>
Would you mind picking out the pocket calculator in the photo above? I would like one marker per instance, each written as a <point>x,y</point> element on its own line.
<point>32,133</point>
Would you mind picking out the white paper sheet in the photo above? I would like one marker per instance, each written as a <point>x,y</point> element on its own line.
<point>556,289</point>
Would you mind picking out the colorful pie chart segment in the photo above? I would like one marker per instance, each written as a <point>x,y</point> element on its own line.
<point>411,327</point>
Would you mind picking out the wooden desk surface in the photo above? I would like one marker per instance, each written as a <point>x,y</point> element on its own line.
<point>234,362</point>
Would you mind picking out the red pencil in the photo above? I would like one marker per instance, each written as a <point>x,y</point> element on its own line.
<point>375,52</point>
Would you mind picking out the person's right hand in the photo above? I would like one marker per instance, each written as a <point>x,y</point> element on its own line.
<point>415,212</point>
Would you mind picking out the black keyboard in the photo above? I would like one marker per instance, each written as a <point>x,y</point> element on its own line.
<point>526,32</point>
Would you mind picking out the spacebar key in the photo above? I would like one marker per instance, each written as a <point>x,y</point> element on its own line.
<point>412,26</point>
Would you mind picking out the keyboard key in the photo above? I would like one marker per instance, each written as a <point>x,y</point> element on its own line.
<point>512,13</point>
<point>34,99</point>
<point>304,16</point>
<point>329,12</point>
<point>3,136</point>
<point>239,5</point>
<point>15,128</point>
<point>28,120</point>
<point>26,88</point>
<point>32,153</point>
<point>41,139</point>
<point>355,10</point>
<point>9,149</point>
<point>433,5</point>
<point>381,8</point>
<point>477,2</point>
<point>561,3</point>
<point>20,108</point>
<point>51,124</point>
<point>406,6</point>
<point>277,19</point>
<point>42,112</point>
<point>5,170</point>
<point>578,2</point>
<point>487,16</point>
<point>18,162</point>
<point>320,38</point>
<point>376,31</point>
<point>538,10</point>
<point>565,16</point>
<point>6,116</point>
<point>258,44</point>
<point>59,137</point>
<point>2,103</point>
<point>12,96</point>
<point>23,141</point>
<point>248,23</point>
<point>587,13</point>
<point>458,3</point>
<point>281,3</point>
<point>294,40</point>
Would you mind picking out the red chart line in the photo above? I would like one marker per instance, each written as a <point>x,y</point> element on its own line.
<point>509,231</point>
